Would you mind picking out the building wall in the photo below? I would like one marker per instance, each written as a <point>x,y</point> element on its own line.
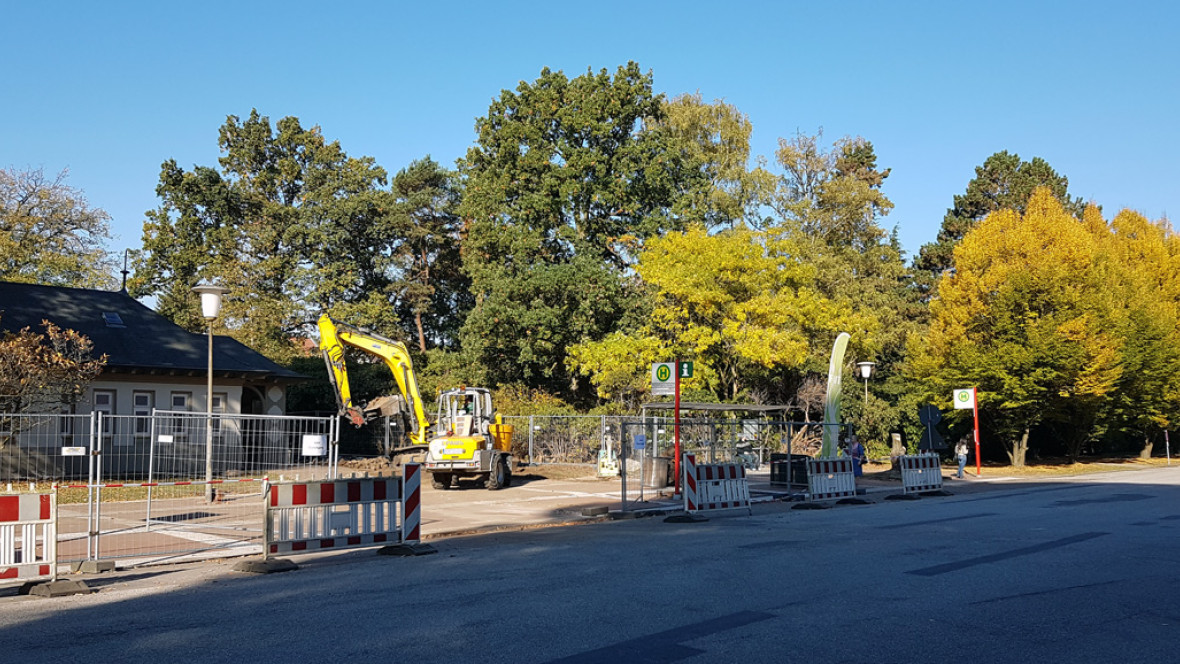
<point>227,396</point>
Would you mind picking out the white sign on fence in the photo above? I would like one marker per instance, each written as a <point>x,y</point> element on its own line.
<point>314,444</point>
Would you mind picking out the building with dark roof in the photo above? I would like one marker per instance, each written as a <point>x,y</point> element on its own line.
<point>151,362</point>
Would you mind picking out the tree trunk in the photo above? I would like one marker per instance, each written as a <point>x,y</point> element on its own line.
<point>421,332</point>
<point>1018,450</point>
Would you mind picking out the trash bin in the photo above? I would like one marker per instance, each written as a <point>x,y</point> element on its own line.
<point>657,472</point>
<point>788,469</point>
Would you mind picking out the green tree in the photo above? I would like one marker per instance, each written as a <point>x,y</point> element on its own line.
<point>566,181</point>
<point>1003,182</point>
<point>50,235</point>
<point>434,291</point>
<point>717,136</point>
<point>1021,318</point>
<point>830,200</point>
<point>293,226</point>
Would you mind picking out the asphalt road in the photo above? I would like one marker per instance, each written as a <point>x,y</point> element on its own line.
<point>1081,571</point>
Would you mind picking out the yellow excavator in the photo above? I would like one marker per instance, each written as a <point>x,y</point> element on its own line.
<point>471,439</point>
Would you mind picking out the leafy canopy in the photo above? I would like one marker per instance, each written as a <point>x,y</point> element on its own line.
<point>736,301</point>
<point>567,180</point>
<point>1021,318</point>
<point>49,234</point>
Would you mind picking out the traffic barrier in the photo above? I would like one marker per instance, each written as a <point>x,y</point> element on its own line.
<point>343,513</point>
<point>830,478</point>
<point>920,472</point>
<point>713,487</point>
<point>27,520</point>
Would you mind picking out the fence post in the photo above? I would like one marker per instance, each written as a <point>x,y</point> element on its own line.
<point>151,469</point>
<point>605,442</point>
<point>530,440</point>
<point>94,493</point>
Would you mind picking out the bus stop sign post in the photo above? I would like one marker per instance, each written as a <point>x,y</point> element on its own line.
<point>964,399</point>
<point>665,379</point>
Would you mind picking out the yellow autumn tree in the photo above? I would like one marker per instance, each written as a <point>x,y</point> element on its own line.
<point>1023,319</point>
<point>732,302</point>
<point>1143,266</point>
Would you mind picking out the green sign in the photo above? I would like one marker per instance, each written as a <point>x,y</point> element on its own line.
<point>686,369</point>
<point>663,373</point>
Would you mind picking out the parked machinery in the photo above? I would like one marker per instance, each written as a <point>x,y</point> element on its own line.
<point>470,439</point>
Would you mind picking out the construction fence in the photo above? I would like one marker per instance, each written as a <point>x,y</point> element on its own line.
<point>164,486</point>
<point>581,439</point>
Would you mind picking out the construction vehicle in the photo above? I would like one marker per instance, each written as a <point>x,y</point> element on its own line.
<point>470,441</point>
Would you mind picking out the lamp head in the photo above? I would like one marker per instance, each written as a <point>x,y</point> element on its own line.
<point>210,299</point>
<point>866,369</point>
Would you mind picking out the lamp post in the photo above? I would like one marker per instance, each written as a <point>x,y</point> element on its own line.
<point>210,308</point>
<point>866,372</point>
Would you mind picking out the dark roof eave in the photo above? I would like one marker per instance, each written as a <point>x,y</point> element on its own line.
<point>253,375</point>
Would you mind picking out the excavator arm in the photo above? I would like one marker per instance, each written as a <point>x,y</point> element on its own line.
<point>334,336</point>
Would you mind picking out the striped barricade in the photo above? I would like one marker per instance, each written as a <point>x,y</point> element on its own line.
<point>28,537</point>
<point>830,478</point>
<point>713,487</point>
<point>920,473</point>
<point>343,513</point>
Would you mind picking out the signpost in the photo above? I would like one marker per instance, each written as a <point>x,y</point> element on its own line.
<point>930,416</point>
<point>665,375</point>
<point>967,398</point>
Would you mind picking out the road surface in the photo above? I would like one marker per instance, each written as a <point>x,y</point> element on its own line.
<point>1081,571</point>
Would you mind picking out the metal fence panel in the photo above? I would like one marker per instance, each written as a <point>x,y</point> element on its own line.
<point>561,438</point>
<point>133,487</point>
<point>541,439</point>
<point>34,447</point>
<point>243,445</point>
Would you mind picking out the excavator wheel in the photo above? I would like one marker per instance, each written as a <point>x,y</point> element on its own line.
<point>440,480</point>
<point>500,476</point>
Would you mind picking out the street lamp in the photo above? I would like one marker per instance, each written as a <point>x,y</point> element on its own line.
<point>866,372</point>
<point>210,308</point>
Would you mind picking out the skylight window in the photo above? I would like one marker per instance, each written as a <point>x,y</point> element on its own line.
<point>112,319</point>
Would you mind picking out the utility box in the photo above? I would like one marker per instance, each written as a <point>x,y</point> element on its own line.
<point>788,469</point>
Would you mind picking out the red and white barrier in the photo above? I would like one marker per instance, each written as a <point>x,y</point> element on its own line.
<point>830,478</point>
<point>920,472</point>
<point>412,505</point>
<point>343,513</point>
<point>27,520</point>
<point>712,487</point>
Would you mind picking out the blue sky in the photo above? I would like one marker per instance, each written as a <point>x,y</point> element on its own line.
<point>111,90</point>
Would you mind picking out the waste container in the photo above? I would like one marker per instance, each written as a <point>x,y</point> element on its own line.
<point>657,472</point>
<point>788,469</point>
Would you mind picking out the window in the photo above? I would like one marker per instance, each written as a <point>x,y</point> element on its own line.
<point>181,401</point>
<point>142,404</point>
<point>104,402</point>
<point>219,399</point>
<point>112,319</point>
<point>65,425</point>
